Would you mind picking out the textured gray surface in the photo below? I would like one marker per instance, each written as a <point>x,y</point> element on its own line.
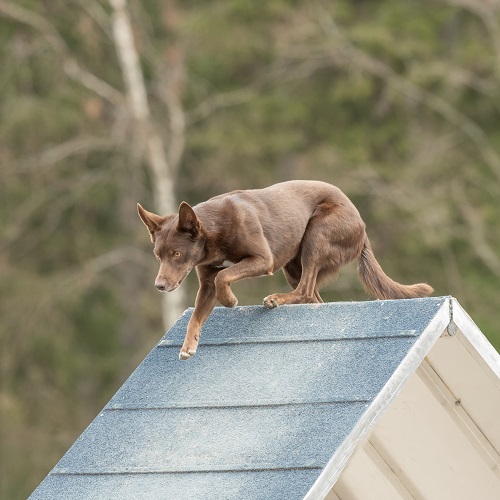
<point>256,414</point>
<point>261,485</point>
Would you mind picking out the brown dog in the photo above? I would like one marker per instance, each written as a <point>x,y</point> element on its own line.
<point>308,228</point>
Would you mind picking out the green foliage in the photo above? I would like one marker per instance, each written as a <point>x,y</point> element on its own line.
<point>394,102</point>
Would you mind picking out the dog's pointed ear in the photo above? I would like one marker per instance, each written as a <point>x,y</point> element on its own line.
<point>188,221</point>
<point>152,221</point>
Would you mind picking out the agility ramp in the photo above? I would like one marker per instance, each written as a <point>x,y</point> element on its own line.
<point>379,400</point>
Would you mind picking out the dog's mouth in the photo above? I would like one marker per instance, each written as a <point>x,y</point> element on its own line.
<point>176,285</point>
<point>172,288</point>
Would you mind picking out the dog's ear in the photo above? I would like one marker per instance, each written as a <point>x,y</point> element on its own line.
<point>188,222</point>
<point>152,221</point>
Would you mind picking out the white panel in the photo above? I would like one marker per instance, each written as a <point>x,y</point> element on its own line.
<point>470,380</point>
<point>332,496</point>
<point>461,418</point>
<point>479,345</point>
<point>429,452</point>
<point>368,476</point>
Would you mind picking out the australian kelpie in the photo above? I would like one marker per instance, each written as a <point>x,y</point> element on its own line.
<point>308,228</point>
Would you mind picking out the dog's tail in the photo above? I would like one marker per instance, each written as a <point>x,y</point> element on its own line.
<point>378,284</point>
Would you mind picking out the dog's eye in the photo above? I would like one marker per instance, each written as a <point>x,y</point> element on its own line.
<point>177,254</point>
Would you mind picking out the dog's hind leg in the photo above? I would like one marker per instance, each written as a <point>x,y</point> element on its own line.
<point>332,239</point>
<point>293,273</point>
<point>301,276</point>
<point>304,293</point>
<point>305,287</point>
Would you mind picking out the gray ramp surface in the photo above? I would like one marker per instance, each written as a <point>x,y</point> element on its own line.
<point>256,414</point>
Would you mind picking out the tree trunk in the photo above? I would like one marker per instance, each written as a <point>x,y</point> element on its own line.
<point>147,135</point>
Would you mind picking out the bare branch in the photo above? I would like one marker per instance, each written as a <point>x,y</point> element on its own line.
<point>71,192</point>
<point>71,67</point>
<point>274,76</point>
<point>85,273</point>
<point>486,12</point>
<point>220,101</point>
<point>113,258</point>
<point>171,87</point>
<point>477,232</point>
<point>376,67</point>
<point>95,10</point>
<point>177,139</point>
<point>60,152</point>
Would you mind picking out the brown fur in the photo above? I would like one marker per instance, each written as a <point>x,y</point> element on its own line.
<point>309,229</point>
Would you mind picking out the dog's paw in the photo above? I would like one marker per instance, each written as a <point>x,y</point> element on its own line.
<point>185,355</point>
<point>270,302</point>
<point>227,298</point>
<point>232,303</point>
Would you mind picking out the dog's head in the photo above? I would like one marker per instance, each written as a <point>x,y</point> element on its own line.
<point>179,244</point>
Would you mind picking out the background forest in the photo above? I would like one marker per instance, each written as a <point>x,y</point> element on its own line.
<point>105,103</point>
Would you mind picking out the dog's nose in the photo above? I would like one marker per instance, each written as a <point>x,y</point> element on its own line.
<point>160,284</point>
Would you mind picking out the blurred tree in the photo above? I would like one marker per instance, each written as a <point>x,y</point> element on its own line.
<point>105,103</point>
<point>146,132</point>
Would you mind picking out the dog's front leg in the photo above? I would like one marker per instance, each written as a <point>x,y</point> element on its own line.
<point>204,304</point>
<point>247,268</point>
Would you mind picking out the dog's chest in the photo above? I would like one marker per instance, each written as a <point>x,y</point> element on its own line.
<point>226,263</point>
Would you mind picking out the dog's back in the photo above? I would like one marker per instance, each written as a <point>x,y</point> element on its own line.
<point>283,212</point>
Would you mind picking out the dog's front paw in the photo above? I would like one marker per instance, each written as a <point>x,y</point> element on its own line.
<point>185,355</point>
<point>188,349</point>
<point>233,302</point>
<point>227,298</point>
